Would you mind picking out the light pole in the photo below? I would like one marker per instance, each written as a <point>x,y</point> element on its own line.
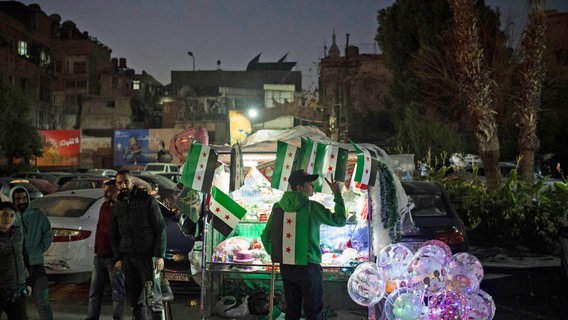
<point>192,58</point>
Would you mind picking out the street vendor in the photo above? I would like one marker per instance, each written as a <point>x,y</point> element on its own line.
<point>292,238</point>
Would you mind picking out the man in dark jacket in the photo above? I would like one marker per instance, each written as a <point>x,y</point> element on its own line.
<point>103,262</point>
<point>37,236</point>
<point>292,238</point>
<point>138,243</point>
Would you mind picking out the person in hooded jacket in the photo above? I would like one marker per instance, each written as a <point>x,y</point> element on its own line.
<point>37,236</point>
<point>292,238</point>
<point>138,240</point>
<point>13,271</point>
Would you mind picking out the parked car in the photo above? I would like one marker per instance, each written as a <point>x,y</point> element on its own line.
<point>167,189</point>
<point>96,183</point>
<point>44,186</point>
<point>84,183</point>
<point>158,167</point>
<point>73,216</point>
<point>174,176</point>
<point>37,175</point>
<point>434,216</point>
<point>176,261</point>
<point>111,173</point>
<point>8,183</point>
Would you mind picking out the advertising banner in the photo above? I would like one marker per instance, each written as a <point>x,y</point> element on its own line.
<point>131,147</point>
<point>61,148</point>
<point>159,145</point>
<point>240,126</point>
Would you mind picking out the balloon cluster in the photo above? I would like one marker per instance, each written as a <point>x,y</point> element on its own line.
<point>428,284</point>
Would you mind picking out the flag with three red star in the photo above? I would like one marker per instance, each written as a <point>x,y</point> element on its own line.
<point>289,237</point>
<point>330,160</point>
<point>199,167</point>
<point>283,166</point>
<point>365,172</point>
<point>226,212</point>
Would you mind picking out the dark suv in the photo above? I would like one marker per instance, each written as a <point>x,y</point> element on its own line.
<point>434,216</point>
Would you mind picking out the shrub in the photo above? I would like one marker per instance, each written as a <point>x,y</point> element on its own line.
<point>518,213</point>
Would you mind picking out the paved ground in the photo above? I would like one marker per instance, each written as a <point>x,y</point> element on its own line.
<point>523,284</point>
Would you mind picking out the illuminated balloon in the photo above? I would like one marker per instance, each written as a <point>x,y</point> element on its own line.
<point>445,305</point>
<point>365,285</point>
<point>408,306</point>
<point>427,274</point>
<point>390,301</point>
<point>460,280</point>
<point>394,260</point>
<point>468,262</point>
<point>436,248</point>
<point>479,306</point>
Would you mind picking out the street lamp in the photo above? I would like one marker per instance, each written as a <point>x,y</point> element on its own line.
<point>192,58</point>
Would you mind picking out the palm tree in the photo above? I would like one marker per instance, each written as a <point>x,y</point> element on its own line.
<point>476,87</point>
<point>531,75</point>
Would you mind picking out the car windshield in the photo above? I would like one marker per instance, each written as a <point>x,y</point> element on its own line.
<point>70,207</point>
<point>427,205</point>
<point>154,167</point>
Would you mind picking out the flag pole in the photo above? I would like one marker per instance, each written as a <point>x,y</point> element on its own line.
<point>204,261</point>
<point>271,295</point>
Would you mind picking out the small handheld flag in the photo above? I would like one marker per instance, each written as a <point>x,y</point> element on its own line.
<point>226,212</point>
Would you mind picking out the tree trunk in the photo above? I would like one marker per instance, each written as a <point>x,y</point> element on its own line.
<point>531,76</point>
<point>477,87</point>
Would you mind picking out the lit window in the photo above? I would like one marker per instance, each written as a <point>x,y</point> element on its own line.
<point>135,84</point>
<point>23,48</point>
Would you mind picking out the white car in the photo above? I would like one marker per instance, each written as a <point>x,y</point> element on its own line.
<point>73,216</point>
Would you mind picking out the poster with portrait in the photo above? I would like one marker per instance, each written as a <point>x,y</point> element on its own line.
<point>131,147</point>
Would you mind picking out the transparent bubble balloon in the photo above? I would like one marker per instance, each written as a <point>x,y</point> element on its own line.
<point>461,280</point>
<point>406,305</point>
<point>427,274</point>
<point>393,260</point>
<point>365,285</point>
<point>395,254</point>
<point>435,248</point>
<point>446,305</point>
<point>479,306</point>
<point>469,262</point>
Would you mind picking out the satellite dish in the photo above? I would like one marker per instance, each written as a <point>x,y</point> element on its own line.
<point>185,91</point>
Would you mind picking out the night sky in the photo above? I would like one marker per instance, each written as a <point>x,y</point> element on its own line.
<point>155,35</point>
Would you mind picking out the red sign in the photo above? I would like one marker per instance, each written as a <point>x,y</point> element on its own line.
<point>60,148</point>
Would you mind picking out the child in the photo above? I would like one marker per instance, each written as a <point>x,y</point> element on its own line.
<point>13,272</point>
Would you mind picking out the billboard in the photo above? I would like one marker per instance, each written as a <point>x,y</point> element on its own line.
<point>239,126</point>
<point>130,147</point>
<point>61,148</point>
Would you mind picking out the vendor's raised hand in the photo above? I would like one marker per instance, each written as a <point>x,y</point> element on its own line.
<point>333,185</point>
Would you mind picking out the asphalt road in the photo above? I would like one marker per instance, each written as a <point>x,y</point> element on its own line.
<point>519,293</point>
<point>528,293</point>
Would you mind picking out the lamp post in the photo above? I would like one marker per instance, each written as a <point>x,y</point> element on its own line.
<point>192,58</point>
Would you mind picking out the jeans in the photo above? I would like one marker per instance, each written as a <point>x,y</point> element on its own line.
<point>40,292</point>
<point>303,282</point>
<point>139,271</point>
<point>103,269</point>
<point>15,310</point>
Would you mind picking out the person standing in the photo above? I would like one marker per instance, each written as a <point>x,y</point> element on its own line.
<point>13,273</point>
<point>103,262</point>
<point>37,236</point>
<point>292,238</point>
<point>139,244</point>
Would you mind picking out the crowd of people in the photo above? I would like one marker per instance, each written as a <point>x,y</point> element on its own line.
<point>130,244</point>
